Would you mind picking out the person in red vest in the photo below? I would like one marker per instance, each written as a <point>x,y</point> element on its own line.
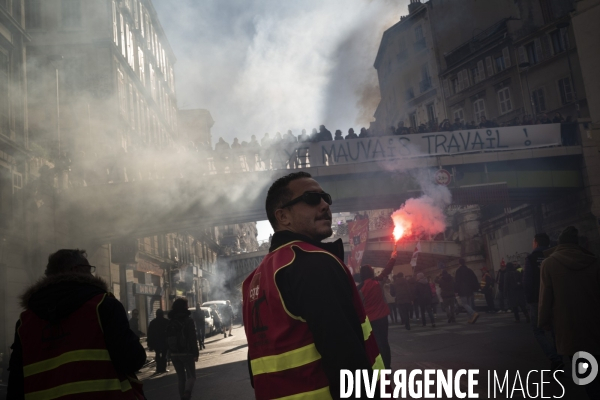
<point>303,316</point>
<point>376,307</point>
<point>73,339</point>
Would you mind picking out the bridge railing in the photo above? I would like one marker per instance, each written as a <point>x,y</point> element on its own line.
<point>293,155</point>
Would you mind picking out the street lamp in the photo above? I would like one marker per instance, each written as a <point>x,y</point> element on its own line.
<point>565,25</point>
<point>525,67</point>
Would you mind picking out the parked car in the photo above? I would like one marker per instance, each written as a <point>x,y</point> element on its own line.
<point>209,324</point>
<point>219,305</point>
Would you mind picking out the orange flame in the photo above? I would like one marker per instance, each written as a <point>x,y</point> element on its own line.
<point>398,232</point>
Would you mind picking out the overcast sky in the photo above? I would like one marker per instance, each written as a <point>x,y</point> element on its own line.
<point>270,65</point>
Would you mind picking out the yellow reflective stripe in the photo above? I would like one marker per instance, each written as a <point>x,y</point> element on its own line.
<point>319,394</point>
<point>366,328</point>
<point>71,356</point>
<point>283,361</point>
<point>378,364</point>
<point>100,385</point>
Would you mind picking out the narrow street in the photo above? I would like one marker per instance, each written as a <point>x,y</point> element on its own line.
<point>495,342</point>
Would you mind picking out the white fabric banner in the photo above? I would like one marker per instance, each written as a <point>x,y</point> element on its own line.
<point>385,148</point>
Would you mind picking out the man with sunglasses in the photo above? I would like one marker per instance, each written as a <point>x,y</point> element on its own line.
<point>303,316</point>
<point>73,337</point>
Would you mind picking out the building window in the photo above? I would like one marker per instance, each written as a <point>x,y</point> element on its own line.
<point>141,69</point>
<point>122,93</point>
<point>152,81</point>
<point>455,86</point>
<point>532,53</point>
<point>539,100</point>
<point>504,100</point>
<point>413,120</point>
<point>4,94</point>
<point>566,91</point>
<point>33,14</point>
<point>71,13</point>
<point>130,54</point>
<point>479,109</point>
<point>431,112</point>
<point>123,46</point>
<point>500,64</point>
<point>475,74</point>
<point>419,38</point>
<point>115,24</point>
<point>459,114</point>
<point>558,43</point>
<point>425,83</point>
<point>132,101</point>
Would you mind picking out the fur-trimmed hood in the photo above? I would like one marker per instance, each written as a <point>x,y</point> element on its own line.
<point>56,296</point>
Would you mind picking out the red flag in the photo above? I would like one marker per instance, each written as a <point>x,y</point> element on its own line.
<point>502,264</point>
<point>358,232</point>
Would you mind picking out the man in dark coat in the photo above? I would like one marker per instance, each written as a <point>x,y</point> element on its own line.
<point>403,297</point>
<point>500,282</point>
<point>570,299</point>
<point>487,287</point>
<point>134,322</point>
<point>465,284</point>
<point>184,355</point>
<point>67,286</point>
<point>200,321</point>
<point>157,340</point>
<point>446,284</point>
<point>423,298</point>
<point>513,290</point>
<point>531,281</point>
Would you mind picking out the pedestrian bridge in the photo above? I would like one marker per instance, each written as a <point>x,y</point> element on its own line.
<point>507,165</point>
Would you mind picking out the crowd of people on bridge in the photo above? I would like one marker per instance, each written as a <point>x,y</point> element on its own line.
<point>111,165</point>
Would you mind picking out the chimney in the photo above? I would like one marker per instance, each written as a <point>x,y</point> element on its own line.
<point>414,4</point>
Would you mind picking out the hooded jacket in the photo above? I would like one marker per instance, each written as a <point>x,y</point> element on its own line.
<point>183,317</point>
<point>58,296</point>
<point>570,298</point>
<point>446,283</point>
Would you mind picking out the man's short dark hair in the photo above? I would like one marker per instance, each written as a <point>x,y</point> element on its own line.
<point>542,239</point>
<point>279,194</point>
<point>65,259</point>
<point>180,304</point>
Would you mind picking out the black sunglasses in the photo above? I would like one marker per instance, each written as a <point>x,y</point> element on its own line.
<point>310,198</point>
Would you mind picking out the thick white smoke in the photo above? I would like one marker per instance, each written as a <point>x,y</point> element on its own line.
<point>425,214</point>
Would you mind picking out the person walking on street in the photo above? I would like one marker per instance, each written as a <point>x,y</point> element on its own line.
<point>570,299</point>
<point>71,316</point>
<point>403,295</point>
<point>227,318</point>
<point>500,282</point>
<point>531,282</point>
<point>376,307</point>
<point>465,283</point>
<point>487,287</point>
<point>183,346</point>
<point>434,296</point>
<point>391,302</point>
<point>216,320</point>
<point>514,292</point>
<point>200,322</point>
<point>446,284</point>
<point>302,302</point>
<point>157,340</point>
<point>423,299</point>
<point>134,322</point>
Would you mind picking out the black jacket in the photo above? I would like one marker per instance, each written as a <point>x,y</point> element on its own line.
<point>532,273</point>
<point>157,334</point>
<point>423,293</point>
<point>465,281</point>
<point>189,327</point>
<point>317,289</point>
<point>56,297</point>
<point>446,283</point>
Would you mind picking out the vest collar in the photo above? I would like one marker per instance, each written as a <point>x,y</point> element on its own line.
<point>282,238</point>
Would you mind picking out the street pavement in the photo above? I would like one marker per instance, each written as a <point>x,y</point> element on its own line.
<point>494,342</point>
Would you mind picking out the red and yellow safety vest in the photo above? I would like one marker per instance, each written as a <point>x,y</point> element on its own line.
<point>284,360</point>
<point>69,358</point>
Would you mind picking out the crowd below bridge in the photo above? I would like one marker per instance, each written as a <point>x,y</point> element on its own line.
<point>179,161</point>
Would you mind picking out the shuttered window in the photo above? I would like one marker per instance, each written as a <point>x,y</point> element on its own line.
<point>504,100</point>
<point>489,65</point>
